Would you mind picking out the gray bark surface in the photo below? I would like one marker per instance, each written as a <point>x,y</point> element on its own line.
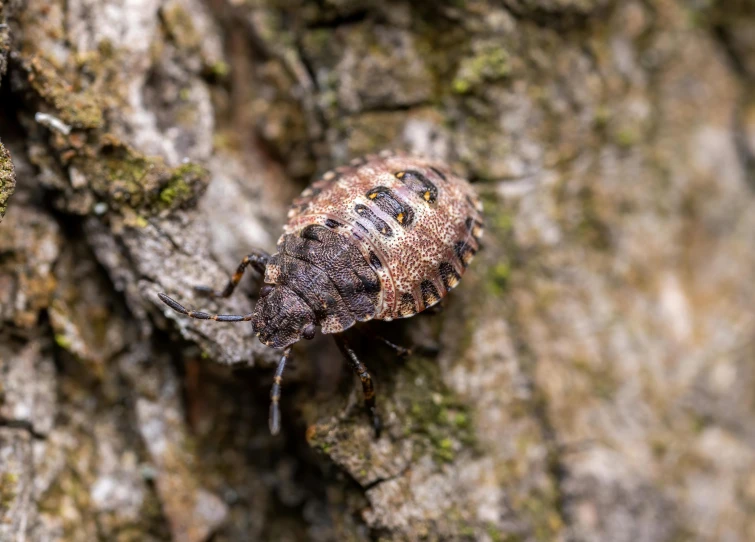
<point>593,377</point>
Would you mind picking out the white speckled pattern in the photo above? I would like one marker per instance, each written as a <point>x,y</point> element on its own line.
<point>446,230</point>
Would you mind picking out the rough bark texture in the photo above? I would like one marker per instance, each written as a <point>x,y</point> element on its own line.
<point>592,378</point>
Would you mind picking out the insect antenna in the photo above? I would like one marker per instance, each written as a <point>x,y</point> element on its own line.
<point>176,306</point>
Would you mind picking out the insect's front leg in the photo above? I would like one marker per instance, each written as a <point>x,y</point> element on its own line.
<point>368,389</point>
<point>257,259</point>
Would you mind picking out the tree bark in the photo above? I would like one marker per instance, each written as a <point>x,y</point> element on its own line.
<point>592,377</point>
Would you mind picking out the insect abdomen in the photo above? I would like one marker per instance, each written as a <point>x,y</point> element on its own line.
<point>415,225</point>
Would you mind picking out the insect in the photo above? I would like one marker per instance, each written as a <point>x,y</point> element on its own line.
<point>385,237</point>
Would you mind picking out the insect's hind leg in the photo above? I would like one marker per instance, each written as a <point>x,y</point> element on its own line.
<point>257,259</point>
<point>176,306</point>
<point>367,387</point>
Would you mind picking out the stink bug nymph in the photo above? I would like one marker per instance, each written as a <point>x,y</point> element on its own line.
<point>385,237</point>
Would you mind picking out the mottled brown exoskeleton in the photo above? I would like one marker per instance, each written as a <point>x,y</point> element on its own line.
<point>386,237</point>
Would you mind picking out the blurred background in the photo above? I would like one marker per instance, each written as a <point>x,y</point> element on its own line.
<point>592,378</point>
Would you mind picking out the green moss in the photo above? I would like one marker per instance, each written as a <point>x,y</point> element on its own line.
<point>7,179</point>
<point>467,530</point>
<point>106,49</point>
<point>497,217</point>
<point>62,341</point>
<point>461,86</point>
<point>436,417</point>
<point>699,16</point>
<point>542,512</point>
<point>627,137</point>
<point>8,489</point>
<point>220,69</point>
<point>183,180</point>
<point>461,420</point>
<point>180,27</point>
<point>440,43</point>
<point>491,64</point>
<point>498,278</point>
<point>444,450</point>
<point>126,179</point>
<point>124,174</point>
<point>77,107</point>
<point>120,178</point>
<point>318,39</point>
<point>177,188</point>
<point>700,423</point>
<point>497,535</point>
<point>601,117</point>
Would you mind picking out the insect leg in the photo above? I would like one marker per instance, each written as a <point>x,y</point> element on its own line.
<point>257,259</point>
<point>367,388</point>
<point>176,306</point>
<point>400,351</point>
<point>435,309</point>
<point>275,393</point>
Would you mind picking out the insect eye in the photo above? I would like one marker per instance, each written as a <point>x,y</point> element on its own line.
<point>308,332</point>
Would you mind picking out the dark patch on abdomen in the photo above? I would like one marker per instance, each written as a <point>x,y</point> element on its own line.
<point>390,204</point>
<point>309,232</point>
<point>332,224</point>
<point>407,306</point>
<point>439,173</point>
<point>430,295</point>
<point>464,252</point>
<point>380,225</point>
<point>375,261</point>
<point>449,276</point>
<point>419,184</point>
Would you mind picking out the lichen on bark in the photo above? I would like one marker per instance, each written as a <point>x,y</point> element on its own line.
<point>7,180</point>
<point>7,176</point>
